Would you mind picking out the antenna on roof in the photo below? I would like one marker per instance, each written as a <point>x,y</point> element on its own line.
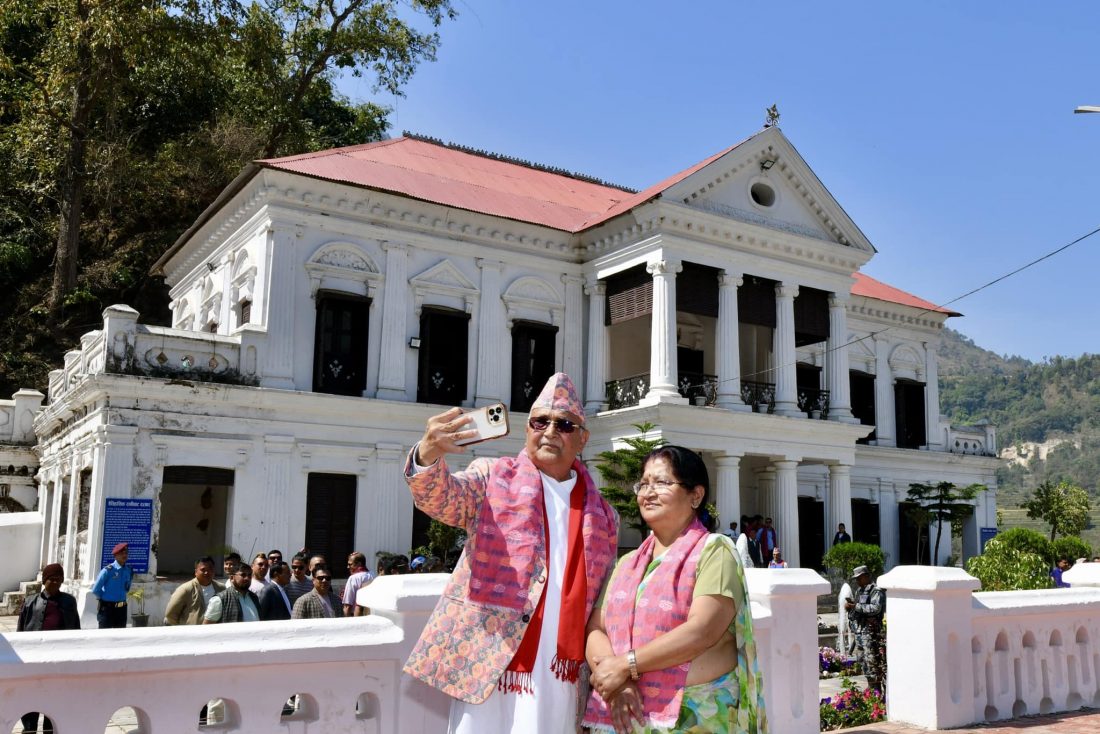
<point>772,119</point>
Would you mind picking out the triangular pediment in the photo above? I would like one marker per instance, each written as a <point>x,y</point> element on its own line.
<point>444,276</point>
<point>765,181</point>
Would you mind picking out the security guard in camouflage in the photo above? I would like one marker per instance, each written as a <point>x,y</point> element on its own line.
<point>865,614</point>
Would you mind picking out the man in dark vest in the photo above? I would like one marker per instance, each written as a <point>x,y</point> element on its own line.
<point>49,609</point>
<point>237,603</point>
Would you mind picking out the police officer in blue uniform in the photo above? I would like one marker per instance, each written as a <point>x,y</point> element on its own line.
<point>111,587</point>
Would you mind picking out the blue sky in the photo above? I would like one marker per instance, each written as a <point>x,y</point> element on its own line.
<point>945,129</point>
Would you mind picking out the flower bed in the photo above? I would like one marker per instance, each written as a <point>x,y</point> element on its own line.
<point>851,707</point>
<point>832,663</point>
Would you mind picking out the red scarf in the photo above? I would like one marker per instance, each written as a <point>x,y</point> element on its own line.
<point>515,509</point>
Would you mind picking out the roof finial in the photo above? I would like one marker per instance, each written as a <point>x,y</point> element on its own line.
<point>773,116</point>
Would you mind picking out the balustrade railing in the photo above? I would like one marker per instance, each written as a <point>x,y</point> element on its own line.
<point>814,401</point>
<point>626,392</point>
<point>759,395</point>
<point>695,385</point>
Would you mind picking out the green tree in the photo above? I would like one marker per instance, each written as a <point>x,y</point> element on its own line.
<point>846,556</point>
<point>1002,568</point>
<point>1064,506</point>
<point>621,468</point>
<point>942,503</point>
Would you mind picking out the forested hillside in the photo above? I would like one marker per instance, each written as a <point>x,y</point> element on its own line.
<point>121,121</point>
<point>1029,403</point>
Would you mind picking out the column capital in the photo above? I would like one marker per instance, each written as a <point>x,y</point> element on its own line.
<point>786,290</point>
<point>730,278</point>
<point>839,300</point>
<point>667,266</point>
<point>594,287</point>
<point>487,264</point>
<point>568,278</point>
<point>840,469</point>
<point>728,460</point>
<point>785,465</point>
<point>397,247</point>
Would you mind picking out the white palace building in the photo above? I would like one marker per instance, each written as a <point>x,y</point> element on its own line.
<point>325,305</point>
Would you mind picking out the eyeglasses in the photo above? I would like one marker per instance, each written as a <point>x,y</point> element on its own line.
<point>660,487</point>
<point>322,579</point>
<point>563,425</point>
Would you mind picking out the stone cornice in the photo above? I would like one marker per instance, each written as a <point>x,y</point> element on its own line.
<point>874,312</point>
<point>713,229</point>
<point>306,197</point>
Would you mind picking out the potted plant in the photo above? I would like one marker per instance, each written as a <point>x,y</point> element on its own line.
<point>141,619</point>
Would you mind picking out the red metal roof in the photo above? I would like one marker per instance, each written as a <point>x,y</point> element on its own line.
<point>868,287</point>
<point>443,174</point>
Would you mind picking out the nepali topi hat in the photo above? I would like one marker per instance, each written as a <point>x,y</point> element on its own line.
<point>560,394</point>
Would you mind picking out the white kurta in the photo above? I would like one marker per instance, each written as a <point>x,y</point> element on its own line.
<point>552,708</point>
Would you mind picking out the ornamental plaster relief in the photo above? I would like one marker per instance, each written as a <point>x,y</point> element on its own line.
<point>343,266</point>
<point>907,363</point>
<point>532,299</point>
<point>444,282</point>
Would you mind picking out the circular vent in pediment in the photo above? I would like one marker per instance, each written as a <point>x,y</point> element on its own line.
<point>762,194</point>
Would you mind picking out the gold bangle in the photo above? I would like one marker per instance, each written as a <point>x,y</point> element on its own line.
<point>632,662</point>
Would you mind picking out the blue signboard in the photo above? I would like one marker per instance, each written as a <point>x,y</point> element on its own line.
<point>127,520</point>
<point>987,534</point>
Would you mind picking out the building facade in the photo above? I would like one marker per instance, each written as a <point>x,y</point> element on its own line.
<point>326,305</point>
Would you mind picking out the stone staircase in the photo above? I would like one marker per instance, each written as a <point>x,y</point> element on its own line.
<point>12,601</point>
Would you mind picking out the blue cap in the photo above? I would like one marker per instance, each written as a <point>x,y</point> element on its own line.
<point>417,562</point>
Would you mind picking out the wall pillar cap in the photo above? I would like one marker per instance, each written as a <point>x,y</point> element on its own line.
<point>120,310</point>
<point>773,582</point>
<point>403,593</point>
<point>1083,574</point>
<point>27,392</point>
<point>928,579</point>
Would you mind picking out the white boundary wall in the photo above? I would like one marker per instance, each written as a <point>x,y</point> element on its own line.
<point>347,670</point>
<point>955,657</point>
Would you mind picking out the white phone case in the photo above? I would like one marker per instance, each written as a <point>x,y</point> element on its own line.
<point>490,421</point>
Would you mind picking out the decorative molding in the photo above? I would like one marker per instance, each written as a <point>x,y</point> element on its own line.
<point>443,279</point>
<point>336,261</point>
<point>906,363</point>
<point>532,298</point>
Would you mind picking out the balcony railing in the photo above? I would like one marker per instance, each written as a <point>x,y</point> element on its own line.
<point>814,401</point>
<point>695,385</point>
<point>760,396</point>
<point>626,392</point>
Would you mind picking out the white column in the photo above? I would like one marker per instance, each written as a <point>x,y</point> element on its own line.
<point>786,512</point>
<point>663,369</point>
<point>395,308</point>
<point>884,395</point>
<point>786,380</point>
<point>572,341</point>
<point>888,527</point>
<point>836,362</point>
<point>225,279</point>
<point>933,436</point>
<point>391,506</point>
<point>277,490</point>
<point>728,344</point>
<point>52,530</point>
<point>596,378</point>
<point>765,493</point>
<point>493,354</point>
<point>728,489</point>
<point>69,561</point>
<point>112,476</point>
<point>839,506</point>
<point>280,309</point>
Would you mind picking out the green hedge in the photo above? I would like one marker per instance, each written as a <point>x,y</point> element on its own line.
<point>846,556</point>
<point>1072,548</point>
<point>1024,540</point>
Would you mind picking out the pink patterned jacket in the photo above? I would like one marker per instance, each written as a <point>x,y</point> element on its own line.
<point>466,645</point>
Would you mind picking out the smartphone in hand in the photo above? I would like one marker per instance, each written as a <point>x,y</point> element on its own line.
<point>490,421</point>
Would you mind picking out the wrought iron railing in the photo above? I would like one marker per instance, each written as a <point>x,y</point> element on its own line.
<point>759,395</point>
<point>695,385</point>
<point>627,391</point>
<point>814,400</point>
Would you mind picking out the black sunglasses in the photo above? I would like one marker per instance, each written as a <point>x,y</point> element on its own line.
<point>322,578</point>
<point>563,425</point>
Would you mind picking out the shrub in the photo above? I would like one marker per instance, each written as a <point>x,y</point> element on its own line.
<point>846,556</point>
<point>1024,540</point>
<point>851,707</point>
<point>1009,569</point>
<point>1072,548</point>
<point>832,661</point>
